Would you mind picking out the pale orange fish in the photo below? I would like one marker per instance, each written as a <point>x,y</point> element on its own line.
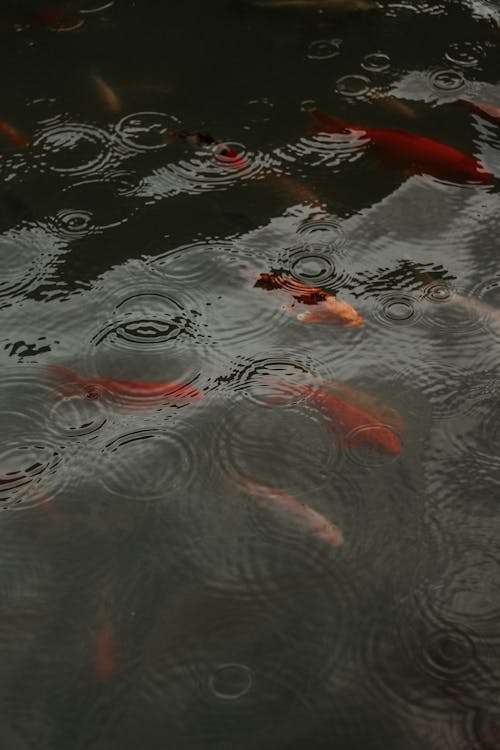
<point>106,94</point>
<point>292,509</point>
<point>396,105</point>
<point>104,647</point>
<point>294,189</point>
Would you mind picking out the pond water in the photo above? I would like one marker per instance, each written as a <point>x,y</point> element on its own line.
<point>250,455</point>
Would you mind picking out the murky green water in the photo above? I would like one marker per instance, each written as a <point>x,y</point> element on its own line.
<point>293,542</point>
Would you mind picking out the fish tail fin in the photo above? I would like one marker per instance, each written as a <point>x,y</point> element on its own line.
<point>327,123</point>
<point>69,383</point>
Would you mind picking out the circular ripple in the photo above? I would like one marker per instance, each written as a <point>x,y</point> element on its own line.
<point>231,681</point>
<point>397,309</point>
<point>27,474</point>
<point>467,54</point>
<point>447,80</point>
<point>74,417</point>
<point>286,447</point>
<point>146,131</point>
<point>256,377</point>
<point>487,309</point>
<point>442,384</point>
<point>450,310</point>
<point>72,224</point>
<point>146,465</point>
<point>353,85</point>
<point>229,161</point>
<point>372,445</point>
<point>313,266</point>
<point>324,49</point>
<point>469,594</point>
<point>72,148</point>
<point>101,204</point>
<point>326,233</point>
<point>94,6</point>
<point>376,62</point>
<point>22,264</point>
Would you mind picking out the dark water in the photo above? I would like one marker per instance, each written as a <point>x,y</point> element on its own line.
<point>148,599</point>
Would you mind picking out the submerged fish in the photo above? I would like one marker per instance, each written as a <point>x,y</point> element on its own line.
<point>106,94</point>
<point>223,152</point>
<point>104,647</point>
<point>126,395</point>
<point>13,135</point>
<point>363,401</point>
<point>489,111</point>
<point>355,428</point>
<point>289,508</point>
<point>415,153</point>
<point>327,308</point>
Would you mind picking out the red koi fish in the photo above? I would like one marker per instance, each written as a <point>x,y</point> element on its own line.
<point>288,507</point>
<point>328,309</point>
<point>348,420</point>
<point>126,395</point>
<point>12,135</point>
<point>485,110</point>
<point>401,150</point>
<point>104,648</point>
<point>365,402</point>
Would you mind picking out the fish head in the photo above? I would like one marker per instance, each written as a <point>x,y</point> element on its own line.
<point>228,156</point>
<point>332,310</point>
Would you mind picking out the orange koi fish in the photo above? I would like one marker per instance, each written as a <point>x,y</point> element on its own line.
<point>104,648</point>
<point>419,155</point>
<point>347,419</point>
<point>127,395</point>
<point>13,135</point>
<point>485,110</point>
<point>365,402</point>
<point>328,308</point>
<point>290,508</point>
<point>106,94</point>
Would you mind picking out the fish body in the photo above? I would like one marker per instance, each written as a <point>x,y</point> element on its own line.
<point>104,648</point>
<point>292,509</point>
<point>356,428</point>
<point>106,94</point>
<point>13,135</point>
<point>420,155</point>
<point>130,395</point>
<point>489,111</point>
<point>327,308</point>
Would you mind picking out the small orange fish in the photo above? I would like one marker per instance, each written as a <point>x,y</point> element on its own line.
<point>328,309</point>
<point>13,135</point>
<point>106,94</point>
<point>489,111</point>
<point>347,419</point>
<point>227,155</point>
<point>290,508</point>
<point>104,647</point>
<point>127,395</point>
<point>415,153</point>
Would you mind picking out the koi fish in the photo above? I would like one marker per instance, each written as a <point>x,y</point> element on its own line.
<point>126,395</point>
<point>290,508</point>
<point>365,402</point>
<point>396,105</point>
<point>328,309</point>
<point>104,648</point>
<point>402,150</point>
<point>347,419</point>
<point>106,94</point>
<point>485,110</point>
<point>13,135</point>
